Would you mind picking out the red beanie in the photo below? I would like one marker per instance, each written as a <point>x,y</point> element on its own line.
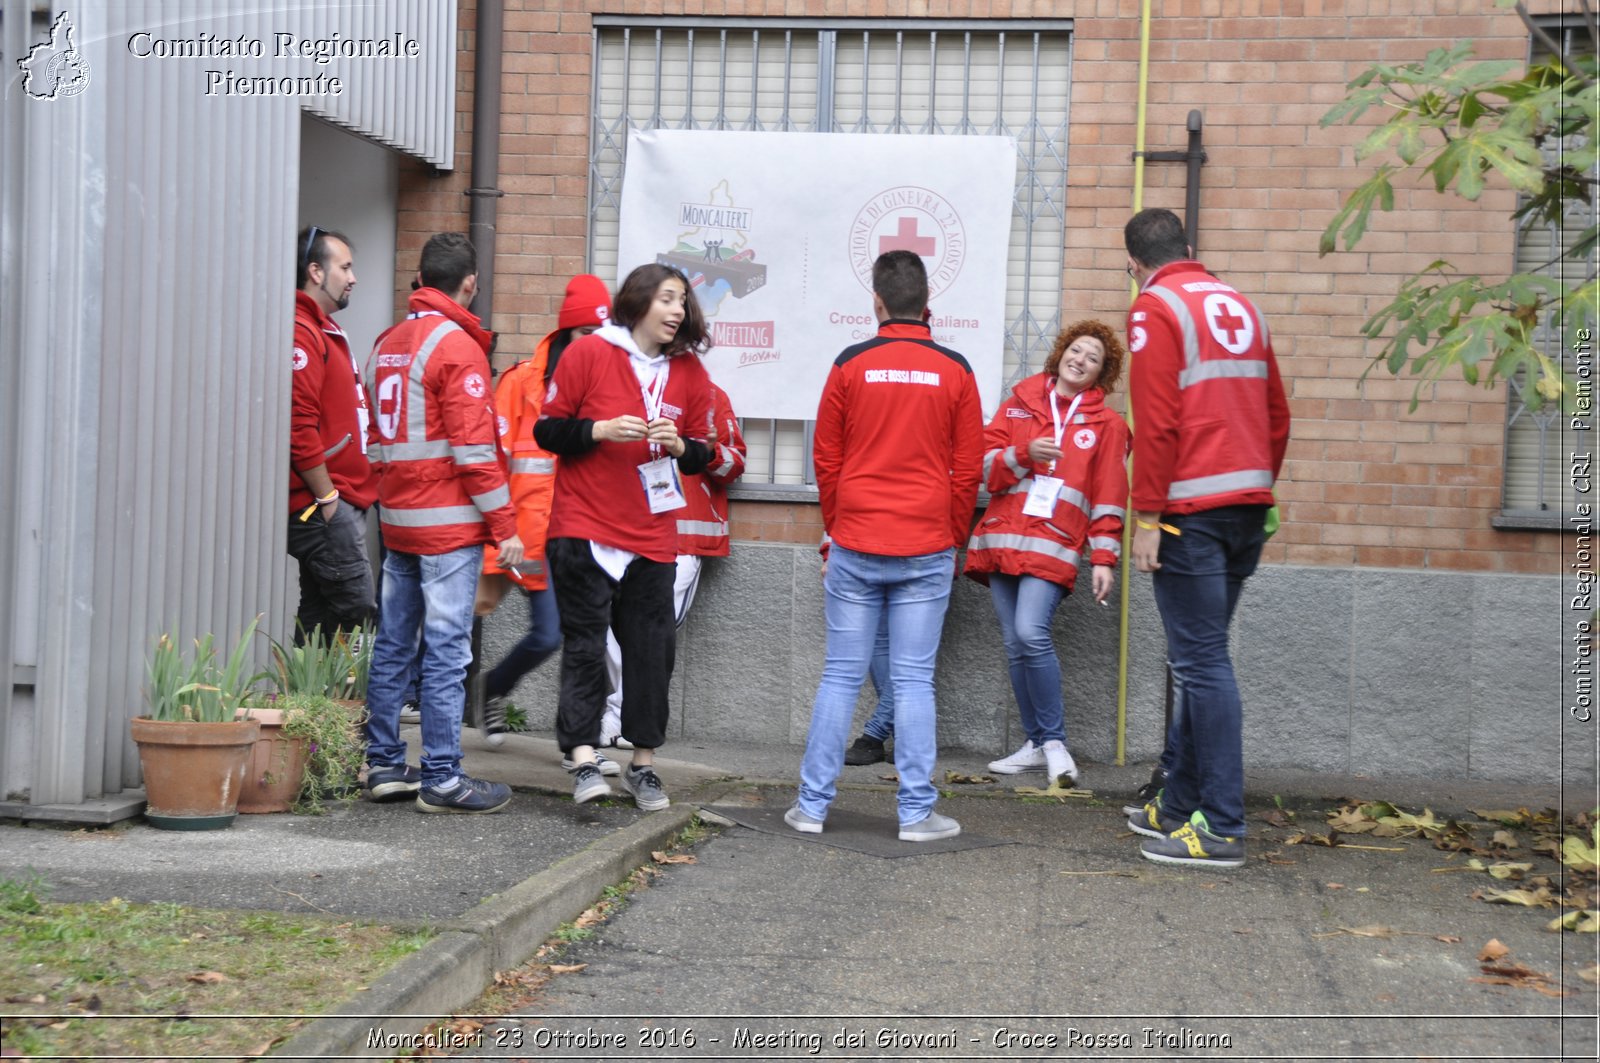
<point>587,303</point>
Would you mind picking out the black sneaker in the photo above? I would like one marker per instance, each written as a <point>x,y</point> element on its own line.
<point>392,782</point>
<point>1150,791</point>
<point>468,796</point>
<point>1195,845</point>
<point>865,750</point>
<point>492,721</point>
<point>587,784</point>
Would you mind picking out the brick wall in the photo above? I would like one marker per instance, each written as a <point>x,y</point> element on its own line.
<point>1366,482</point>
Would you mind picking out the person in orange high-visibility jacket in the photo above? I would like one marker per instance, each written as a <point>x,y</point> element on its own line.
<point>702,532</point>
<point>518,400</point>
<point>443,496</point>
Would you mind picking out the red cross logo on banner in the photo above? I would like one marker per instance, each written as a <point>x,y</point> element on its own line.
<point>1229,322</point>
<point>906,239</point>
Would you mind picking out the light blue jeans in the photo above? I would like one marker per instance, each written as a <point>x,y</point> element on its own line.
<point>432,592</point>
<point>861,588</point>
<point>880,724</point>
<point>1026,607</point>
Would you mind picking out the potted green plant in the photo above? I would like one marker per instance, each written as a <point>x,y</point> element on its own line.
<point>193,750</point>
<point>310,751</point>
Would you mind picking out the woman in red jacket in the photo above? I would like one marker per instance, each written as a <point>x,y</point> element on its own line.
<point>1055,463</point>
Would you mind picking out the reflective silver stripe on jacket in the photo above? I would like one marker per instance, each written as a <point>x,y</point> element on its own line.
<point>1070,495</point>
<point>533,465</point>
<point>1012,463</point>
<point>431,516</point>
<point>1200,486</point>
<point>1108,511</point>
<point>727,464</point>
<point>493,500</point>
<point>1250,367</point>
<point>703,527</point>
<point>427,448</point>
<point>474,453</point>
<point>1027,544</point>
<point>1105,542</point>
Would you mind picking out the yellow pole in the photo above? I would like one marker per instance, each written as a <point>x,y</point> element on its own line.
<point>1127,525</point>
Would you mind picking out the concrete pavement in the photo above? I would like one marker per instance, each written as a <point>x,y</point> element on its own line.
<point>1068,921</point>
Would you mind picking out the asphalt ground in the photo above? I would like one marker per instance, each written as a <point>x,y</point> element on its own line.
<point>1065,938</point>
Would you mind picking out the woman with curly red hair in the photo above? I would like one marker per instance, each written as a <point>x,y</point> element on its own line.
<point>1055,462</point>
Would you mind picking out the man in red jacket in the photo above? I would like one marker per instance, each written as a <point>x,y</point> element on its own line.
<point>898,451</point>
<point>1211,424</point>
<point>331,482</point>
<point>443,496</point>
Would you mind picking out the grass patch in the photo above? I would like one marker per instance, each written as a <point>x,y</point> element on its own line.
<point>80,979</point>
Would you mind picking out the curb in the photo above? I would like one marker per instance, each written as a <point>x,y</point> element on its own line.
<point>454,969</point>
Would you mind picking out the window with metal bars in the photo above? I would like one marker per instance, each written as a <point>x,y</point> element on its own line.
<point>1538,489</point>
<point>848,76</point>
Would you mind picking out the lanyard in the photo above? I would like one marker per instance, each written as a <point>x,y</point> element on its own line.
<point>652,393</point>
<point>1061,422</point>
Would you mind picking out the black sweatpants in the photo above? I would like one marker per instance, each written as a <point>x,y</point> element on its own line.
<point>639,610</point>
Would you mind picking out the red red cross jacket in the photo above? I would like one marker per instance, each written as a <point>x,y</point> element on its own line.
<point>899,443</point>
<point>1213,419</point>
<point>703,524</point>
<point>599,495</point>
<point>442,485</point>
<point>327,408</point>
<point>1092,502</point>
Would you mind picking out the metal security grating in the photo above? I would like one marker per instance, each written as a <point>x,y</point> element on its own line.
<point>849,76</point>
<point>1538,485</point>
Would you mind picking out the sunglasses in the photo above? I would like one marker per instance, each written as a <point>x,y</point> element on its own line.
<point>311,241</point>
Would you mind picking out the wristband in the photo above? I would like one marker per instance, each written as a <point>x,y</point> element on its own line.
<point>1147,526</point>
<point>333,496</point>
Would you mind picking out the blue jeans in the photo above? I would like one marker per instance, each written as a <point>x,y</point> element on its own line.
<point>861,589</point>
<point>432,593</point>
<point>880,724</point>
<point>542,639</point>
<point>1197,589</point>
<point>1026,606</point>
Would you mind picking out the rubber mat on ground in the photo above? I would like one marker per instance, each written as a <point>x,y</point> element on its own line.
<point>856,831</point>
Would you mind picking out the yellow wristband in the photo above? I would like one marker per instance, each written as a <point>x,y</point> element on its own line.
<point>1146,525</point>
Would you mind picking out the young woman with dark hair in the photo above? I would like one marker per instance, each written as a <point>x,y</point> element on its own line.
<point>626,412</point>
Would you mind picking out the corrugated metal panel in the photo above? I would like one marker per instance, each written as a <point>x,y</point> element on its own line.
<point>148,262</point>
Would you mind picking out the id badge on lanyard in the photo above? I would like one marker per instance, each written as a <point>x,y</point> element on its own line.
<point>663,489</point>
<point>1045,490</point>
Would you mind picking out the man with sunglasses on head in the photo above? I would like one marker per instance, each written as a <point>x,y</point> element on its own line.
<point>331,482</point>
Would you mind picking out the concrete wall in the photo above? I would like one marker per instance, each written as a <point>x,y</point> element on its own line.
<point>1361,671</point>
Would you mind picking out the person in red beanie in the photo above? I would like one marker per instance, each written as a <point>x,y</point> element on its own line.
<point>519,399</point>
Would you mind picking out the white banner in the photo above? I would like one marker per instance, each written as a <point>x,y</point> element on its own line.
<point>778,233</point>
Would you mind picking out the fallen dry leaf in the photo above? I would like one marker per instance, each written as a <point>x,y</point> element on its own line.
<point>591,917</point>
<point>1504,839</point>
<point>1492,951</point>
<point>1535,898</point>
<point>1328,840</point>
<point>1591,974</point>
<point>567,968</point>
<point>673,858</point>
<point>1448,939</point>
<point>1335,886</point>
<point>891,777</point>
<point>956,778</point>
<point>1275,817</point>
<point>1579,921</point>
<point>1515,974</point>
<point>207,977</point>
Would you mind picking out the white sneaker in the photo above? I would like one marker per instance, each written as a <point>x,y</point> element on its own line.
<point>1029,758</point>
<point>1059,765</point>
<point>606,765</point>
<point>611,731</point>
<point>930,829</point>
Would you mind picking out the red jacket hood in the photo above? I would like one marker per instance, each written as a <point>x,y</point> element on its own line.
<point>432,299</point>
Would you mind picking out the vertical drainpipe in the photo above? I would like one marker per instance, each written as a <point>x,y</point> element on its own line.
<point>1127,525</point>
<point>484,194</point>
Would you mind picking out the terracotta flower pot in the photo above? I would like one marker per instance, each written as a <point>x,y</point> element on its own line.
<point>193,772</point>
<point>277,767</point>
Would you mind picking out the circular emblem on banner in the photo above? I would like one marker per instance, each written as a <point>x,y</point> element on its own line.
<point>909,218</point>
<point>1136,338</point>
<point>1084,438</point>
<point>473,385</point>
<point>502,425</point>
<point>1230,323</point>
<point>300,359</point>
